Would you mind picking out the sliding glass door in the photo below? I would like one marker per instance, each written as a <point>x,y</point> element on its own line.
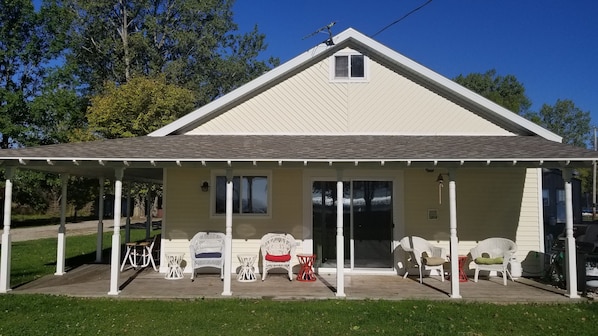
<point>367,220</point>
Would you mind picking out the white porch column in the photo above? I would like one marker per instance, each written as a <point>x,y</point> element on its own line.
<point>148,211</point>
<point>570,249</point>
<point>128,221</point>
<point>61,244</point>
<point>6,241</point>
<point>115,259</point>
<point>228,241</point>
<point>100,238</point>
<point>340,240</point>
<point>454,241</point>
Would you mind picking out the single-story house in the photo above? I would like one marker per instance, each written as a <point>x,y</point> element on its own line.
<point>349,147</point>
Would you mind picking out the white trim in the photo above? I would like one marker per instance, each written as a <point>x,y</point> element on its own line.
<point>541,233</point>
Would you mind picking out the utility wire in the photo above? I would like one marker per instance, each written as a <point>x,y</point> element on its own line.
<point>404,16</point>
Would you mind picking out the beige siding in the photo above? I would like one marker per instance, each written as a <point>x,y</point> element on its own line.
<point>187,211</point>
<point>308,103</point>
<point>490,203</point>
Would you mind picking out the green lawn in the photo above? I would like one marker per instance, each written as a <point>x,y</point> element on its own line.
<point>37,314</point>
<point>24,314</point>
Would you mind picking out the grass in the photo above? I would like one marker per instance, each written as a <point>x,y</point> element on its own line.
<point>74,316</point>
<point>27,314</point>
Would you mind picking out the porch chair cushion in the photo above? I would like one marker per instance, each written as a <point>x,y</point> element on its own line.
<point>279,258</point>
<point>208,255</point>
<point>433,261</point>
<point>488,261</point>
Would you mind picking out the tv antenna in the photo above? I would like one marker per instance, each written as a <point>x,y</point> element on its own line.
<point>328,41</point>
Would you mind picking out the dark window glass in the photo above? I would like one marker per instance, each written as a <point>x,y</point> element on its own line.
<point>250,194</point>
<point>357,66</point>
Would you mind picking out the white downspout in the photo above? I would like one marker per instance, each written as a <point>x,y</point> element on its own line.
<point>128,220</point>
<point>100,238</point>
<point>454,241</point>
<point>115,259</point>
<point>340,248</point>
<point>570,250</point>
<point>61,244</point>
<point>228,240</point>
<point>6,241</point>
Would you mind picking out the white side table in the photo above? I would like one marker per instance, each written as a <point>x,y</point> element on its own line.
<point>246,273</point>
<point>174,266</point>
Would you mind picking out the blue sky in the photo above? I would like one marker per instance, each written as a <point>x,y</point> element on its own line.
<point>551,46</point>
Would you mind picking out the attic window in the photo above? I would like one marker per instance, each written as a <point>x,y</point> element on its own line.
<point>348,67</point>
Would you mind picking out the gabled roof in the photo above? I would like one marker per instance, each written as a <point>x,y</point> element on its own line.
<point>354,39</point>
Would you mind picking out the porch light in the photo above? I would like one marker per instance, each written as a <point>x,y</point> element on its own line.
<point>205,186</point>
<point>440,179</point>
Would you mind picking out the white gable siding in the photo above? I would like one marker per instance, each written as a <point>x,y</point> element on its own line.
<point>308,103</point>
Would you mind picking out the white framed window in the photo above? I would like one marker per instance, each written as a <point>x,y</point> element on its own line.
<point>251,194</point>
<point>348,66</point>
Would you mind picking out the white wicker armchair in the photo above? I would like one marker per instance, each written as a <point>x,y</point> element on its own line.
<point>207,250</point>
<point>493,254</point>
<point>424,255</point>
<point>277,252</point>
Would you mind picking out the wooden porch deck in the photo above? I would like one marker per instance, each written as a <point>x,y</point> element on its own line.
<point>92,280</point>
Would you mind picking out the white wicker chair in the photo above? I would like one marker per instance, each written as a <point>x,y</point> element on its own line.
<point>424,255</point>
<point>493,254</point>
<point>277,252</point>
<point>207,250</point>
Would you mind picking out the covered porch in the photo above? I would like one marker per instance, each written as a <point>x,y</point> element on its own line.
<point>395,154</point>
<point>91,280</point>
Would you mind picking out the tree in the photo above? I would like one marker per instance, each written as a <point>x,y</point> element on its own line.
<point>21,52</point>
<point>137,108</point>
<point>189,42</point>
<point>506,91</point>
<point>571,123</point>
<point>566,120</point>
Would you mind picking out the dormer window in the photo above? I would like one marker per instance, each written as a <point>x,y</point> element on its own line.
<point>349,67</point>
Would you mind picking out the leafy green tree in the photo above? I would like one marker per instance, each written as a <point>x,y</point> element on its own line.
<point>566,120</point>
<point>506,91</point>
<point>29,43</point>
<point>21,53</point>
<point>192,43</point>
<point>571,123</point>
<point>137,108</point>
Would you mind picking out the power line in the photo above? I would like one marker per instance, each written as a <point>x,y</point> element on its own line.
<point>403,17</point>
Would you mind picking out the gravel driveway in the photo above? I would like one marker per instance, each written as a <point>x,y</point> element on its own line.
<point>50,231</point>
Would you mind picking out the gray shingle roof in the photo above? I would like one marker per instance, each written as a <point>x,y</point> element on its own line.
<point>144,157</point>
<point>308,147</point>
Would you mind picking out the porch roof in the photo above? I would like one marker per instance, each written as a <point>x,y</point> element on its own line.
<point>144,157</point>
